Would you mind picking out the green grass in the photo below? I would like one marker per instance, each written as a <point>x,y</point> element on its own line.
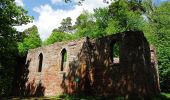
<point>162,96</point>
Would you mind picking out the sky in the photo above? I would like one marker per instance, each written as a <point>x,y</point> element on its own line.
<point>48,14</point>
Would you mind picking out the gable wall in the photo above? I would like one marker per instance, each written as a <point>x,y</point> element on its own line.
<point>48,81</point>
<point>93,70</point>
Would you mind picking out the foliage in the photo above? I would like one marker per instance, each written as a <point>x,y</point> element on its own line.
<point>66,25</point>
<point>92,25</point>
<point>121,15</point>
<point>162,96</point>
<point>101,21</point>
<point>62,33</point>
<point>10,15</point>
<point>124,16</point>
<point>160,23</point>
<point>58,36</point>
<point>116,50</point>
<point>149,7</point>
<point>85,25</point>
<point>31,40</point>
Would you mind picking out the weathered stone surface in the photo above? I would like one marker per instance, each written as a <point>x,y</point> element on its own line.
<point>51,75</point>
<point>91,68</point>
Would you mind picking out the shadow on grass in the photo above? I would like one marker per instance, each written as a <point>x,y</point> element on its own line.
<point>162,96</point>
<point>77,97</point>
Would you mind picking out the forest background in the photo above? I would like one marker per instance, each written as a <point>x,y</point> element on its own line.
<point>119,16</point>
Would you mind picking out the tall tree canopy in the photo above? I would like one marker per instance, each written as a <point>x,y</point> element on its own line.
<point>85,25</point>
<point>57,36</point>
<point>160,22</point>
<point>30,41</point>
<point>66,25</point>
<point>121,15</point>
<point>10,15</point>
<point>124,16</point>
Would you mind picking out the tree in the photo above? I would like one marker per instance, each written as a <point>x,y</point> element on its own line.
<point>124,16</point>
<point>121,15</point>
<point>58,36</point>
<point>10,15</point>
<point>66,25</point>
<point>149,8</point>
<point>101,16</point>
<point>31,40</point>
<point>161,28</point>
<point>85,25</point>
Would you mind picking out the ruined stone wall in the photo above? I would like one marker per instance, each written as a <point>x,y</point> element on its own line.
<point>137,72</point>
<point>92,69</point>
<point>48,81</point>
<point>132,75</point>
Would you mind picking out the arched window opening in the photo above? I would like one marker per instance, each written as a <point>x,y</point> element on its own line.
<point>40,62</point>
<point>115,52</point>
<point>63,59</point>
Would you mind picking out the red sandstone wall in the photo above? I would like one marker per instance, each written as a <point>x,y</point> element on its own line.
<point>48,82</point>
<point>135,74</point>
<point>91,69</point>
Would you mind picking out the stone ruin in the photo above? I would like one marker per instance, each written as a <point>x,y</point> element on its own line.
<point>88,67</point>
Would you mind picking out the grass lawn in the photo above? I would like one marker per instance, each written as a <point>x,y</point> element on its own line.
<point>162,96</point>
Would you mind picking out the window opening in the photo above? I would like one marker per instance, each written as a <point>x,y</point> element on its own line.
<point>63,59</point>
<point>115,52</point>
<point>40,62</point>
